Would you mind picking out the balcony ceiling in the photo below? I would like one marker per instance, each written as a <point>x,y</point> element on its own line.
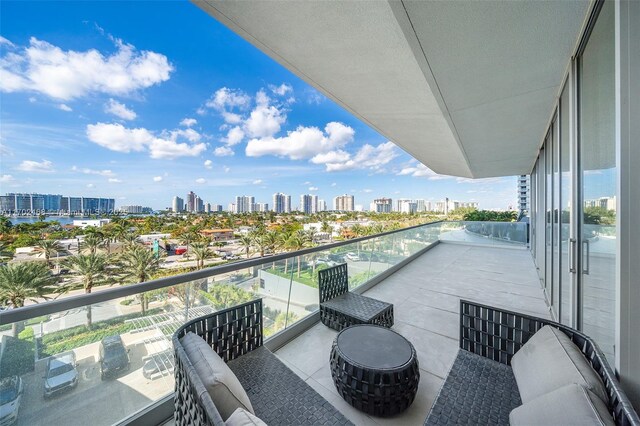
<point>465,87</point>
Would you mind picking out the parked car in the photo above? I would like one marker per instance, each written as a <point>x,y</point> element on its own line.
<point>158,364</point>
<point>230,256</point>
<point>113,356</point>
<point>325,261</point>
<point>61,374</point>
<point>11,389</point>
<point>352,257</point>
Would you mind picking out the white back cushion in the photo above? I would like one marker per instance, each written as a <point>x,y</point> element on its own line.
<point>223,386</point>
<point>549,361</point>
<point>242,417</point>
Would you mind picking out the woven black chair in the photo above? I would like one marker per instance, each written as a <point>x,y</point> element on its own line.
<point>277,394</point>
<point>481,388</point>
<point>340,308</point>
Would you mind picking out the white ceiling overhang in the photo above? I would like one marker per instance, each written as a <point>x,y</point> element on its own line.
<point>466,87</point>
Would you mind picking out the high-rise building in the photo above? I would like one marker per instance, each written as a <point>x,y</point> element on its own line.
<point>523,193</point>
<point>423,206</point>
<point>261,207</point>
<point>217,207</point>
<point>407,206</point>
<point>381,205</point>
<point>53,203</point>
<point>322,206</point>
<point>308,204</point>
<point>281,203</point>
<point>245,204</point>
<point>191,202</point>
<point>207,207</point>
<point>199,205</point>
<point>178,204</point>
<point>344,203</point>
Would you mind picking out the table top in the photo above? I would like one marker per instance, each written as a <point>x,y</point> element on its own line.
<point>374,347</point>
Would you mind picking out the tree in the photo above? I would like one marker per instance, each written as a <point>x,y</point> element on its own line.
<point>5,252</point>
<point>92,242</point>
<point>201,252</point>
<point>296,242</point>
<point>326,228</point>
<point>246,241</point>
<point>138,264</point>
<point>48,248</point>
<point>92,269</point>
<point>25,281</point>
<point>5,225</point>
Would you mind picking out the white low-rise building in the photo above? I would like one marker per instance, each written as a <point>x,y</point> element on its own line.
<point>84,223</point>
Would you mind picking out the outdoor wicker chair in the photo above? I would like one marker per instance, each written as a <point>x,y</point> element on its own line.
<point>481,388</point>
<point>278,395</point>
<point>340,308</point>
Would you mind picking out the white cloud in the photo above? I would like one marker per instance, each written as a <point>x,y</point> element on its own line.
<point>226,98</point>
<point>157,179</point>
<point>334,184</point>
<point>338,156</point>
<point>86,171</point>
<point>367,157</point>
<point>118,138</point>
<point>419,170</point>
<point>265,120</point>
<point>6,42</point>
<point>367,190</point>
<point>234,136</point>
<point>201,181</point>
<point>32,99</point>
<point>257,181</point>
<point>119,110</point>
<point>43,166</point>
<point>313,188</point>
<point>231,117</point>
<point>114,180</point>
<point>45,68</point>
<point>223,151</point>
<point>65,107</point>
<point>302,143</point>
<point>6,178</point>
<point>281,90</point>
<point>226,169</point>
<point>208,164</point>
<point>188,122</point>
<point>90,185</point>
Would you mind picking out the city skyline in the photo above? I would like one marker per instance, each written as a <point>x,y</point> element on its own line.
<point>207,122</point>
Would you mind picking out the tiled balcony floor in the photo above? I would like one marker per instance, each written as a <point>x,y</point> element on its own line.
<point>426,295</point>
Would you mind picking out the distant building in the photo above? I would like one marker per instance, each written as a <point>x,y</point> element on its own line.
<point>178,204</point>
<point>344,203</point>
<point>261,207</point>
<point>407,206</point>
<point>135,210</point>
<point>207,207</point>
<point>244,204</point>
<point>199,205</point>
<point>54,203</point>
<point>309,204</point>
<point>322,206</point>
<point>217,208</point>
<point>423,206</point>
<point>218,234</point>
<point>607,203</point>
<point>523,193</point>
<point>281,203</point>
<point>84,223</point>
<point>191,202</point>
<point>381,205</point>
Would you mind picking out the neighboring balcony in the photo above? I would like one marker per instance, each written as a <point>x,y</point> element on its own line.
<point>423,271</point>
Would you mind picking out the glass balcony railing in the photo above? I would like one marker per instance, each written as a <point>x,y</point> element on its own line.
<point>65,365</point>
<point>497,234</point>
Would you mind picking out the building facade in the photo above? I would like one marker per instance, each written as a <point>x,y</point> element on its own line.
<point>381,205</point>
<point>177,205</point>
<point>523,193</point>
<point>281,203</point>
<point>344,203</point>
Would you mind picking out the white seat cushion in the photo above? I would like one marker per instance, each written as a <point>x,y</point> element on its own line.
<point>223,386</point>
<point>569,405</point>
<point>549,361</point>
<point>242,417</point>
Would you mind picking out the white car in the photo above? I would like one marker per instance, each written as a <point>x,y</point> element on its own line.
<point>352,257</point>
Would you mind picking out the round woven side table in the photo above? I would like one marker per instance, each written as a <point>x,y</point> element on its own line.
<point>375,369</point>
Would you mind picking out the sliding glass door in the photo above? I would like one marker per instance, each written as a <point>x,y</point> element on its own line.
<point>598,175</point>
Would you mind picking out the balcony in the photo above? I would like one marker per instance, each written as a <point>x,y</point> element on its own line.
<point>422,270</point>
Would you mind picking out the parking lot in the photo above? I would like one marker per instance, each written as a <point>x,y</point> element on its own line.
<point>94,401</point>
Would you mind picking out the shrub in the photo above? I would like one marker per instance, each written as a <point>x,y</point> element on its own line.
<point>18,356</point>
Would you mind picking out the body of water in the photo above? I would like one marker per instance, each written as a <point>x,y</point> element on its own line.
<point>64,220</point>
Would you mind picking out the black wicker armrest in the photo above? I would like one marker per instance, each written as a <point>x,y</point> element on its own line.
<point>230,332</point>
<point>498,334</point>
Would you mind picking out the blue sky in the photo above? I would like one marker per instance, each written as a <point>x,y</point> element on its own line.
<point>142,101</point>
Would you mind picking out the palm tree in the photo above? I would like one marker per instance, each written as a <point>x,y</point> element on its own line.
<point>130,239</point>
<point>327,229</point>
<point>282,244</point>
<point>5,252</point>
<point>92,270</point>
<point>138,264</point>
<point>92,242</point>
<point>201,252</point>
<point>296,242</point>
<point>22,281</point>
<point>246,241</point>
<point>48,248</point>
